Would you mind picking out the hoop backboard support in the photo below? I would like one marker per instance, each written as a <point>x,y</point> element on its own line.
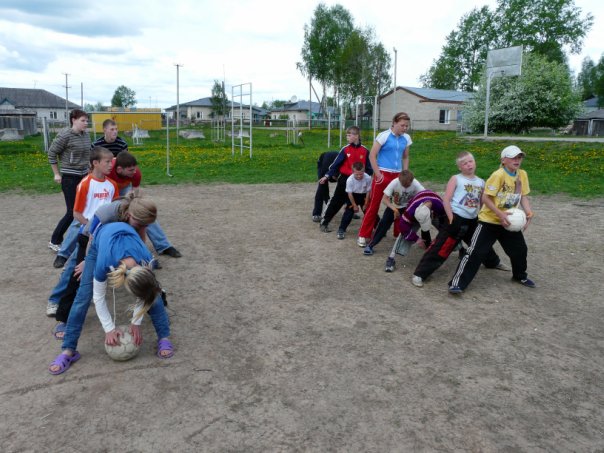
<point>501,63</point>
<point>238,116</point>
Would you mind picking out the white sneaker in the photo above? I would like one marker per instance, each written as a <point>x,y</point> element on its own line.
<point>362,242</point>
<point>51,309</point>
<point>54,247</point>
<point>417,281</point>
<point>503,267</point>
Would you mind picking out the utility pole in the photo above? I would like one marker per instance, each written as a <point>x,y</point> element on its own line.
<point>67,87</point>
<point>177,98</point>
<point>394,112</point>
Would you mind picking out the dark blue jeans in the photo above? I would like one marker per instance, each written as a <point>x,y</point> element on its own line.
<point>69,185</point>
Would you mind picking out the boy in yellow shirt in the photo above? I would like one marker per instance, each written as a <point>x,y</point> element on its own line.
<point>506,188</point>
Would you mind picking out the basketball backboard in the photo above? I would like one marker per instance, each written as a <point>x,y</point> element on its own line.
<point>504,62</point>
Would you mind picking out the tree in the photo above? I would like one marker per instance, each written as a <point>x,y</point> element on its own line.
<point>586,79</point>
<point>219,100</point>
<point>544,27</point>
<point>543,96</point>
<point>363,68</point>
<point>123,97</point>
<point>462,58</point>
<point>98,107</point>
<point>323,40</point>
<point>599,81</point>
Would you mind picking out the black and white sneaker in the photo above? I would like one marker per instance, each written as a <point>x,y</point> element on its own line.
<point>325,228</point>
<point>390,263</point>
<point>526,282</point>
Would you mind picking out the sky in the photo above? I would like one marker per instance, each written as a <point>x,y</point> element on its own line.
<point>138,43</point>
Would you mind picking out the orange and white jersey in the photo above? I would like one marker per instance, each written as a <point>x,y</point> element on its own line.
<point>93,193</point>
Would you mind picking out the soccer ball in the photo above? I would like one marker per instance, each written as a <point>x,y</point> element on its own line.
<point>517,219</point>
<point>126,349</point>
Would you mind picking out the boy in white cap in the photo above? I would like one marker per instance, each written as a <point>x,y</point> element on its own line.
<point>506,188</point>
<point>462,203</point>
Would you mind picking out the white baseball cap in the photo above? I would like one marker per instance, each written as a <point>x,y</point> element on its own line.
<point>511,152</point>
<point>422,215</point>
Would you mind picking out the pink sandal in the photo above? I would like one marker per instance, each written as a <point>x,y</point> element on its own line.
<point>64,361</point>
<point>165,345</point>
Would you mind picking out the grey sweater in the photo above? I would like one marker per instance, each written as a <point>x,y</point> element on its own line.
<point>72,151</point>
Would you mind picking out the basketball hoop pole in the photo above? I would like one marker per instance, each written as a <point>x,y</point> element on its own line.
<point>486,109</point>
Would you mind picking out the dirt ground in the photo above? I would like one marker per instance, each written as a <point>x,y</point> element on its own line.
<point>288,339</point>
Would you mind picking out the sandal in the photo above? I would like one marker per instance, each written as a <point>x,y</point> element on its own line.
<point>165,345</point>
<point>64,361</point>
<point>59,331</point>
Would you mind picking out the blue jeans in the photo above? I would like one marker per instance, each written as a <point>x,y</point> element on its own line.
<point>61,286</point>
<point>71,239</point>
<point>77,315</point>
<point>157,237</point>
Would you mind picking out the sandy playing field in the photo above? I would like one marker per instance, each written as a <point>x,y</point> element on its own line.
<point>290,340</point>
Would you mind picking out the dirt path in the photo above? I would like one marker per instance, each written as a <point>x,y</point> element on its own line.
<point>290,340</point>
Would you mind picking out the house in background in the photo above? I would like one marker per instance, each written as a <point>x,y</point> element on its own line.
<point>590,123</point>
<point>201,110</point>
<point>429,109</point>
<point>299,111</point>
<point>16,122</point>
<point>591,104</point>
<point>42,102</point>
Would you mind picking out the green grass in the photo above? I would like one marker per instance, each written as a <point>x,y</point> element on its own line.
<point>572,168</point>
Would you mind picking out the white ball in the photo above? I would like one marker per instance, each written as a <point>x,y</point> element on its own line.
<point>126,349</point>
<point>517,219</point>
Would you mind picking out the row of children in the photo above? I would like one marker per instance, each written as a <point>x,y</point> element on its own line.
<point>111,224</point>
<point>471,210</point>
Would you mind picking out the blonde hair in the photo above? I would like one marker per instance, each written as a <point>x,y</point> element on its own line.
<point>461,156</point>
<point>139,281</point>
<point>140,209</point>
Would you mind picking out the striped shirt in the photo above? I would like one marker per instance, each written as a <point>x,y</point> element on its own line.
<point>72,151</point>
<point>116,146</point>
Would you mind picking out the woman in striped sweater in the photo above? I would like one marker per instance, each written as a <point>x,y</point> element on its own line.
<point>71,148</point>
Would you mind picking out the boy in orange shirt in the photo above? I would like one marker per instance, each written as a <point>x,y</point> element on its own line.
<point>93,191</point>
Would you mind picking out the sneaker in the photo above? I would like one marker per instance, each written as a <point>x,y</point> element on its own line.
<point>419,282</point>
<point>316,218</point>
<point>503,267</point>
<point>341,234</point>
<point>54,247</point>
<point>325,228</point>
<point>51,309</point>
<point>59,261</point>
<point>455,290</point>
<point>390,263</point>
<point>368,250</point>
<point>361,242</point>
<point>171,251</point>
<point>155,264</point>
<point>526,282</point>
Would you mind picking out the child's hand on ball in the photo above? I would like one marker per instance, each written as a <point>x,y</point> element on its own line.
<point>113,338</point>
<point>136,333</point>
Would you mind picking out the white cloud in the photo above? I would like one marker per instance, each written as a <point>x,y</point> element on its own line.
<point>136,43</point>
